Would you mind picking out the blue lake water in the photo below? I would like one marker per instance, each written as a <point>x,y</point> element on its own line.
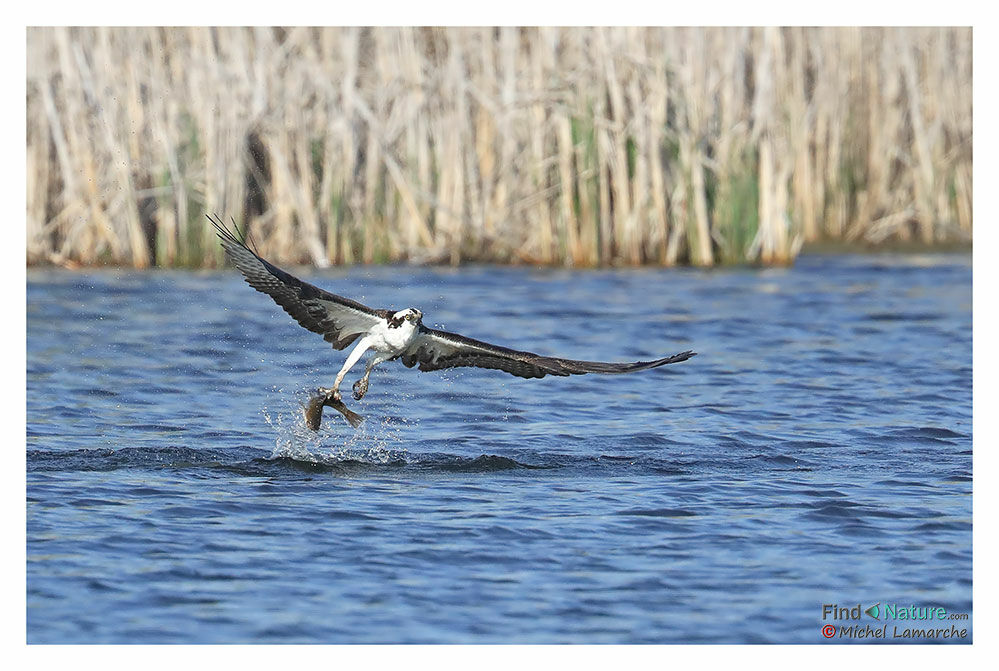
<point>818,450</point>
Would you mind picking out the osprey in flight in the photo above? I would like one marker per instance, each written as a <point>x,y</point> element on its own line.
<point>396,334</point>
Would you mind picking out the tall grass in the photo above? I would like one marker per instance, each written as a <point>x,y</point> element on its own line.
<point>569,146</point>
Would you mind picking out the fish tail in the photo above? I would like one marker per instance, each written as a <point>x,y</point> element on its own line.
<point>352,417</point>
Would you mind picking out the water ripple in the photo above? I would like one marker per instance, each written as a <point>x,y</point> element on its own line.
<point>818,450</point>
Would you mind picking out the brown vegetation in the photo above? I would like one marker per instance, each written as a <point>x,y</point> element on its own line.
<point>565,146</point>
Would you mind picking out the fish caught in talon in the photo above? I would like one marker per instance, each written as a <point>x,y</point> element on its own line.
<point>333,394</point>
<point>314,410</point>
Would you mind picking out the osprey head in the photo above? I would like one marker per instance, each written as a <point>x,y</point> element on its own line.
<point>409,314</point>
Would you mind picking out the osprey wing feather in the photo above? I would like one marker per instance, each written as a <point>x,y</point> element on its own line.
<point>434,350</point>
<point>339,320</point>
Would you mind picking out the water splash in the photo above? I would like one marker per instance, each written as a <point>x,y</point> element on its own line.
<point>336,441</point>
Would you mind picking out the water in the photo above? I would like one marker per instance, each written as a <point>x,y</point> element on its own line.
<point>816,451</point>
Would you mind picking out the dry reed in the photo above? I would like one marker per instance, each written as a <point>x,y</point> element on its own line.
<point>571,146</point>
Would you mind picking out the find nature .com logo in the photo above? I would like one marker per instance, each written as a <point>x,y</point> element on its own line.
<point>907,622</point>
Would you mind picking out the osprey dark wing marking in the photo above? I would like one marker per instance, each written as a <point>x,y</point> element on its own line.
<point>435,350</point>
<point>338,319</point>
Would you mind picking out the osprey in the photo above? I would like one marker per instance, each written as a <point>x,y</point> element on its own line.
<point>396,334</point>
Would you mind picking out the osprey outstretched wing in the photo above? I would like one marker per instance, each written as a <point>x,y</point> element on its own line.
<point>339,320</point>
<point>397,334</point>
<point>434,350</point>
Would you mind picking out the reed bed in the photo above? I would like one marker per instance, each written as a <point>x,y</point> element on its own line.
<point>568,146</point>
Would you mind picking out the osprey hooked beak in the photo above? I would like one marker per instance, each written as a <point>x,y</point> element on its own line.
<point>414,315</point>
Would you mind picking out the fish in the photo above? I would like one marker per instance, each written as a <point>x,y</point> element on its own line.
<point>314,411</point>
